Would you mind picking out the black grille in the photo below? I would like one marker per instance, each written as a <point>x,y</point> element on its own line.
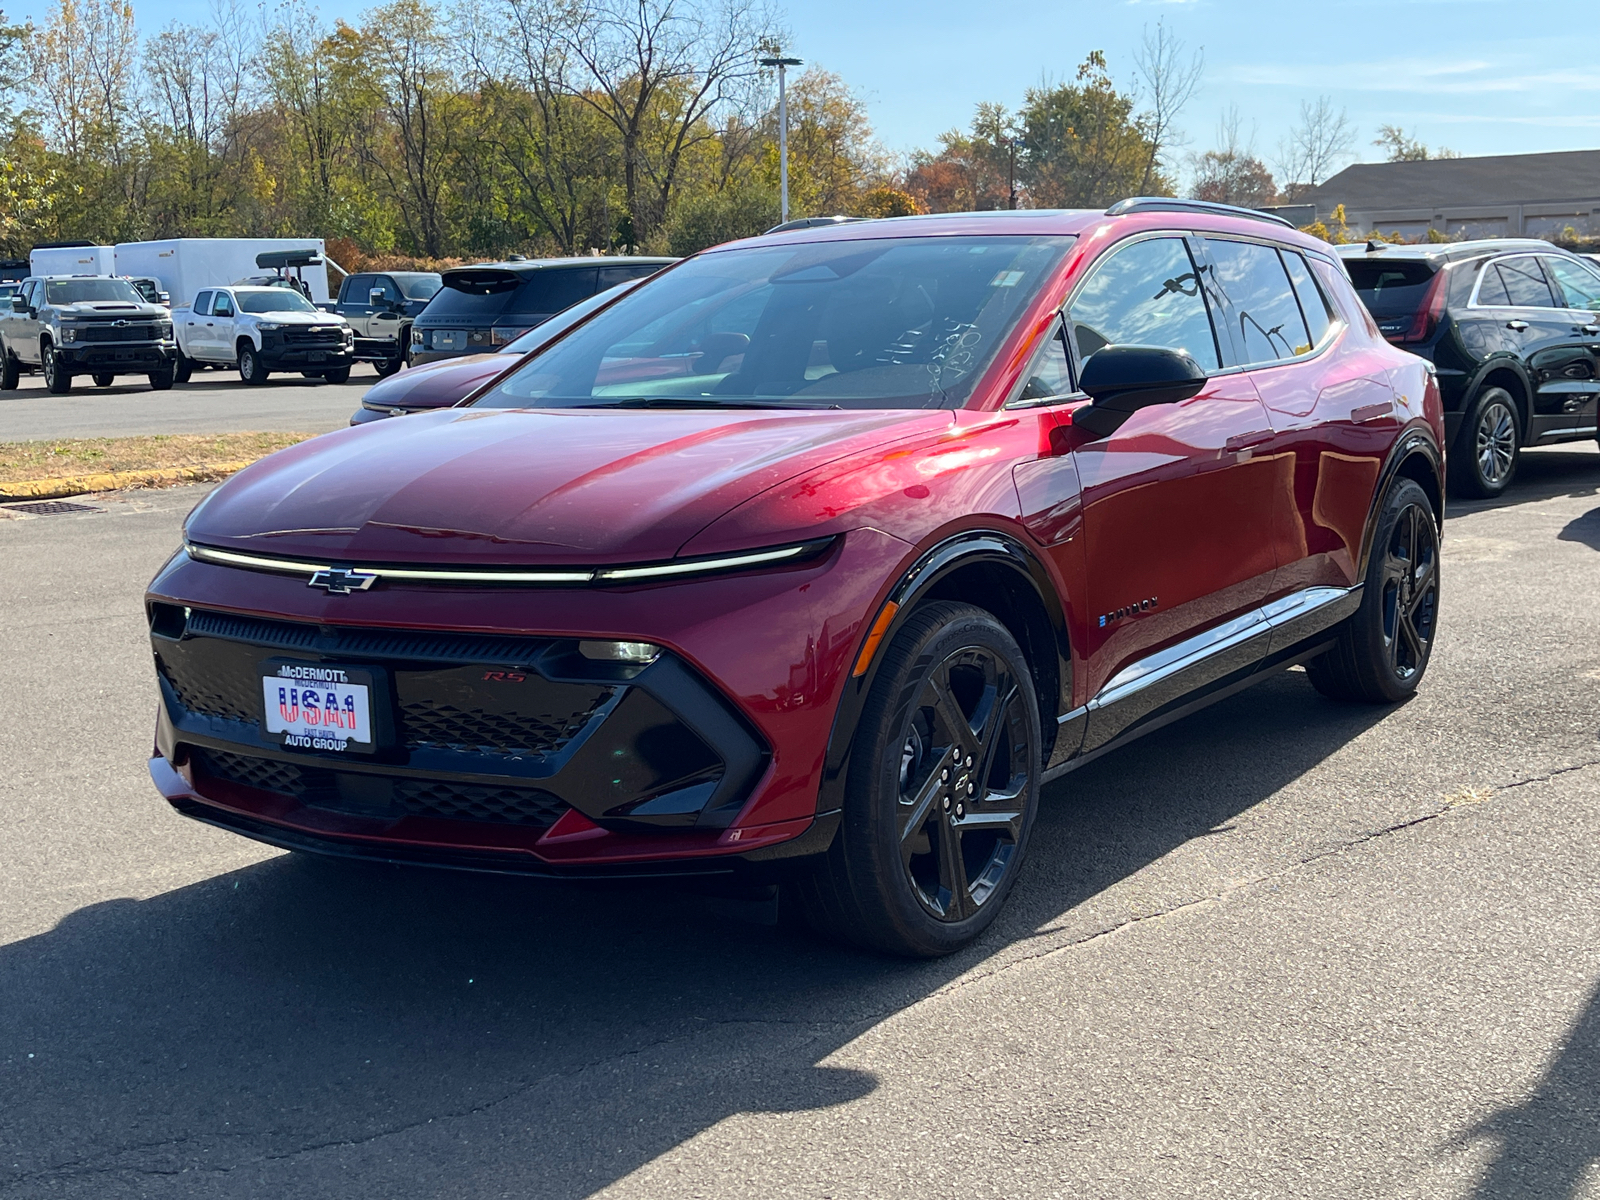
<point>474,731</point>
<point>368,795</point>
<point>313,337</point>
<point>115,333</point>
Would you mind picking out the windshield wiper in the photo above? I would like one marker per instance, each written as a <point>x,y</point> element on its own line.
<point>695,402</point>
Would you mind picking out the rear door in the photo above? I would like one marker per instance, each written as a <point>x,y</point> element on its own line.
<point>357,306</point>
<point>1178,513</point>
<point>23,330</point>
<point>194,326</point>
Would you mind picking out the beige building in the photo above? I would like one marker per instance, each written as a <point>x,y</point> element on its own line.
<point>1505,195</point>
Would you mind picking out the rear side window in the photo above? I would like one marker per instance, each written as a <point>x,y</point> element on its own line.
<point>1146,294</point>
<point>1392,291</point>
<point>202,303</point>
<point>1265,317</point>
<point>1522,283</point>
<point>1578,282</point>
<point>1313,304</point>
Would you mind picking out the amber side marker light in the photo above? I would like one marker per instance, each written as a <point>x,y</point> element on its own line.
<point>874,639</point>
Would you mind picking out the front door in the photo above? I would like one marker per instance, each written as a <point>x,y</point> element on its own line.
<point>1566,380</point>
<point>1178,510</point>
<point>1539,330</point>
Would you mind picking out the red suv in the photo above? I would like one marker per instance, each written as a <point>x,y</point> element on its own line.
<point>812,559</point>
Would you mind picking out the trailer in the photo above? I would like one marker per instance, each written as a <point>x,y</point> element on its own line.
<point>187,265</point>
<point>72,260</point>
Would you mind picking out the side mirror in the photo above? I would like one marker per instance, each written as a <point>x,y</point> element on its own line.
<point>1123,379</point>
<point>375,296</point>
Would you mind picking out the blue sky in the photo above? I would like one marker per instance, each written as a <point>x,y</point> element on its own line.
<point>1480,76</point>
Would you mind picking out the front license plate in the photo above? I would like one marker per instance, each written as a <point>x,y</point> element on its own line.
<point>318,356</point>
<point>313,706</point>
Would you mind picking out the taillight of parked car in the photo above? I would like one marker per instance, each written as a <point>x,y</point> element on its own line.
<point>1429,312</point>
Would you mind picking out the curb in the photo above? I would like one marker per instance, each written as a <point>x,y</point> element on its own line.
<point>111,481</point>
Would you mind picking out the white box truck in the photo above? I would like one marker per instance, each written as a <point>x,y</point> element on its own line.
<point>72,260</point>
<point>186,265</point>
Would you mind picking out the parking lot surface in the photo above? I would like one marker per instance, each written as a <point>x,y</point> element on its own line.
<point>1284,948</point>
<point>212,402</point>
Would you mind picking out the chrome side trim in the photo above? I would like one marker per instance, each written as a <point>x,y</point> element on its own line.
<point>1583,430</point>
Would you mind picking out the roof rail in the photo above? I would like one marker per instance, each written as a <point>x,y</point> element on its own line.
<point>1139,204</point>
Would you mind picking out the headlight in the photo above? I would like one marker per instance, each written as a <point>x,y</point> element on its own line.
<point>69,333</point>
<point>269,327</point>
<point>349,336</point>
<point>642,653</point>
<point>163,329</point>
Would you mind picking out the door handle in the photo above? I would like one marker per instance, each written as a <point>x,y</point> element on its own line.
<point>1243,441</point>
<point>1519,326</point>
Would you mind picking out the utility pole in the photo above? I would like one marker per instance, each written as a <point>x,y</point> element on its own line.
<point>783,131</point>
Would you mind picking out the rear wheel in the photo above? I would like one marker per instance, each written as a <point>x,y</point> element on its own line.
<point>1488,446</point>
<point>251,368</point>
<point>104,379</point>
<point>57,379</point>
<point>942,790</point>
<point>388,366</point>
<point>1383,650</point>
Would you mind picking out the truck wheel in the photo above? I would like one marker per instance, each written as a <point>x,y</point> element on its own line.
<point>337,375</point>
<point>104,379</point>
<point>57,379</point>
<point>388,366</point>
<point>183,368</point>
<point>251,369</point>
<point>10,371</point>
<point>162,380</point>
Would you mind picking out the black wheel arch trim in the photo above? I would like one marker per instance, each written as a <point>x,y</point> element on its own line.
<point>1414,443</point>
<point>1515,366</point>
<point>969,548</point>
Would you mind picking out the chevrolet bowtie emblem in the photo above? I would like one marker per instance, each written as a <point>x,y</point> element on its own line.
<point>341,581</point>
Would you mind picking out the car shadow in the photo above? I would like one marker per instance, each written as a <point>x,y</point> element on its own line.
<point>1584,529</point>
<point>1544,473</point>
<point>1548,1144</point>
<point>316,1028</point>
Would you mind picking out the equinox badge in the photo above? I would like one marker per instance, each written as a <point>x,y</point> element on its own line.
<point>341,581</point>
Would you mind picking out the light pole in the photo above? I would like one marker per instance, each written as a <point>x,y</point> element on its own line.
<point>783,132</point>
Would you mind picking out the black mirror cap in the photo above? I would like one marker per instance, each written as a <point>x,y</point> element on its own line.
<point>1123,379</point>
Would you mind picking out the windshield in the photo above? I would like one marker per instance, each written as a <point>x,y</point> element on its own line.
<point>275,300</point>
<point>1390,289</point>
<point>76,291</point>
<point>417,287</point>
<point>877,323</point>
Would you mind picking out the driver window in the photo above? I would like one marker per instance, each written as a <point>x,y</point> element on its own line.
<point>1579,284</point>
<point>224,305</point>
<point>1146,294</point>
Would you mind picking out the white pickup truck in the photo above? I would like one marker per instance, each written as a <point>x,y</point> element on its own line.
<point>259,330</point>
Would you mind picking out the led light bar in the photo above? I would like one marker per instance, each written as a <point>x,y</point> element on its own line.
<point>583,575</point>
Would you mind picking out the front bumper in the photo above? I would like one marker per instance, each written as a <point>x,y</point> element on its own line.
<point>595,771</point>
<point>379,349</point>
<point>134,358</point>
<point>277,356</point>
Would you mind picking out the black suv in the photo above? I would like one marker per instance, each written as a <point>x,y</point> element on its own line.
<point>483,307</point>
<point>1513,327</point>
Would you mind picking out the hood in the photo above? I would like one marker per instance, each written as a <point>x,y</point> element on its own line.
<point>439,384</point>
<point>290,317</point>
<point>509,487</point>
<point>109,308</point>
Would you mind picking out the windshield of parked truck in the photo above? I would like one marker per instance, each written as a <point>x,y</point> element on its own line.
<point>905,322</point>
<point>271,300</point>
<point>76,291</point>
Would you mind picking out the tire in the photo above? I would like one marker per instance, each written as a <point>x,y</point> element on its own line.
<point>890,880</point>
<point>1488,447</point>
<point>251,369</point>
<point>161,380</point>
<point>10,371</point>
<point>183,369</point>
<point>1383,650</point>
<point>56,380</point>
<point>337,375</point>
<point>386,367</point>
<point>104,379</point>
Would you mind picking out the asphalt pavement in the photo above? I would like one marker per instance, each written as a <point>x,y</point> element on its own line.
<point>211,402</point>
<point>1284,948</point>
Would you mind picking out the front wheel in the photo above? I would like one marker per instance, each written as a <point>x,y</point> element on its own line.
<point>104,379</point>
<point>10,371</point>
<point>941,793</point>
<point>251,368</point>
<point>1383,650</point>
<point>183,369</point>
<point>337,375</point>
<point>57,379</point>
<point>1488,447</point>
<point>388,366</point>
<point>161,380</point>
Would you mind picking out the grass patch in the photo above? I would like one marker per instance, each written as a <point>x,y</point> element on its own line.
<point>83,456</point>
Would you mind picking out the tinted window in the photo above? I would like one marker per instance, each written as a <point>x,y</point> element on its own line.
<point>1525,282</point>
<point>276,300</point>
<point>1051,374</point>
<point>147,289</point>
<point>76,291</point>
<point>488,295</point>
<point>202,303</point>
<point>874,323</point>
<point>356,289</point>
<point>561,322</point>
<point>417,287</point>
<point>1578,282</point>
<point>1146,294</point>
<point>382,283</point>
<point>1493,289</point>
<point>1313,304</point>
<point>610,276</point>
<point>1267,324</point>
<point>1390,290</point>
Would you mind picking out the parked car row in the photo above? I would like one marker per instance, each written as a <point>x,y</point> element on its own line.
<point>811,558</point>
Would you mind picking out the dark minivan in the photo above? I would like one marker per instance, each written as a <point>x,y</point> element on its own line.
<point>1513,327</point>
<point>483,307</point>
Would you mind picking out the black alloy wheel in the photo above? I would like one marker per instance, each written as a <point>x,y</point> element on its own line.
<point>57,379</point>
<point>1384,648</point>
<point>1489,445</point>
<point>104,379</point>
<point>942,791</point>
<point>251,369</point>
<point>10,371</point>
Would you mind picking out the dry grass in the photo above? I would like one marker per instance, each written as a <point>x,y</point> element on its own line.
<point>82,456</point>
